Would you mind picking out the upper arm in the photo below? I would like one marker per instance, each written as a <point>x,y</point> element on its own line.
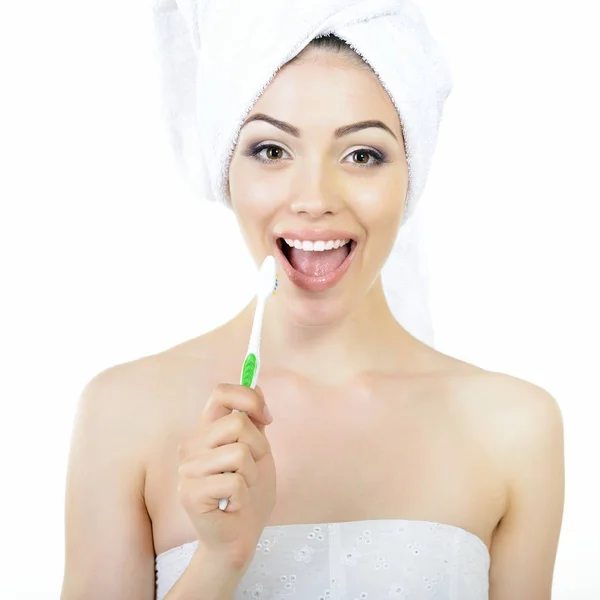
<point>525,544</point>
<point>109,551</point>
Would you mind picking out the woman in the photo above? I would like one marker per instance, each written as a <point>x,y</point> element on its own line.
<point>388,469</point>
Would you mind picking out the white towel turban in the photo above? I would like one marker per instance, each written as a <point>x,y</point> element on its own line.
<point>218,56</point>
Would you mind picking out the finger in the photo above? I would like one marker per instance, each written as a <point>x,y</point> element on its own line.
<point>200,496</point>
<point>232,428</point>
<point>237,427</point>
<point>227,397</point>
<point>231,458</point>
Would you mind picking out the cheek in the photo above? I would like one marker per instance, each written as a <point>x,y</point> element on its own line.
<point>253,193</point>
<point>254,200</point>
<point>380,205</point>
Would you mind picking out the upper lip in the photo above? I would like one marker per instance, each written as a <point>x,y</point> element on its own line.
<point>314,235</point>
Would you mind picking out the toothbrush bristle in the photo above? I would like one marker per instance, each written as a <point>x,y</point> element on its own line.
<point>276,284</point>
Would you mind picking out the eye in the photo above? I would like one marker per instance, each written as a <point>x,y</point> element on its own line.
<point>363,155</point>
<point>274,154</point>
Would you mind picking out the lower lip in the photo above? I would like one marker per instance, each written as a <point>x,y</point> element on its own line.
<point>316,284</point>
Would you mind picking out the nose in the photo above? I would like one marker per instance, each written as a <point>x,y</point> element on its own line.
<point>320,193</point>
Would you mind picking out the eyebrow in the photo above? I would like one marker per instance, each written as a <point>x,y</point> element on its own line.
<point>338,133</point>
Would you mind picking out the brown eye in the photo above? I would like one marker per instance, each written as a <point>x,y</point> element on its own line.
<point>265,153</point>
<point>273,152</point>
<point>363,157</point>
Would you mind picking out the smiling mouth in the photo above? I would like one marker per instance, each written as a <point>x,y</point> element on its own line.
<point>315,263</point>
<point>316,270</point>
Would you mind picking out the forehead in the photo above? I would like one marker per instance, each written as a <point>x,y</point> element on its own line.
<point>326,89</point>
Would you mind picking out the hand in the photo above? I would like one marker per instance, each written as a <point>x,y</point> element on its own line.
<point>229,456</point>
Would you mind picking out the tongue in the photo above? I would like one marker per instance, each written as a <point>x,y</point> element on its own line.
<point>317,264</point>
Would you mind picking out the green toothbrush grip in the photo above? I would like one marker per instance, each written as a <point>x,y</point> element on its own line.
<point>249,370</point>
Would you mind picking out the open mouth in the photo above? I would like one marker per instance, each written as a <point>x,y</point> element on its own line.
<point>316,267</point>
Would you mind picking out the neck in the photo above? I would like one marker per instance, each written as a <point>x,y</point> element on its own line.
<point>368,338</point>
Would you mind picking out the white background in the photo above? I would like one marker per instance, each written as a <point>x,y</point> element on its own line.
<point>106,257</point>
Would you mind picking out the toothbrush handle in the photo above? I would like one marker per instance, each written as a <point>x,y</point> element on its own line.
<point>248,379</point>
<point>250,370</point>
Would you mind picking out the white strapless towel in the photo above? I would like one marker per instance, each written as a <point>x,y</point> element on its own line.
<point>354,560</point>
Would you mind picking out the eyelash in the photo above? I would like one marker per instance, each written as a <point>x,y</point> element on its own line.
<point>379,157</point>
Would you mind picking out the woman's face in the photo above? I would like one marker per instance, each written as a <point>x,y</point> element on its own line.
<point>309,182</point>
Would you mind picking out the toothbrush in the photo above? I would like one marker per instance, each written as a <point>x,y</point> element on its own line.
<point>267,285</point>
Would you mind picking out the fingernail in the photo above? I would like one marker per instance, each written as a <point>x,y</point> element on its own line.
<point>268,415</point>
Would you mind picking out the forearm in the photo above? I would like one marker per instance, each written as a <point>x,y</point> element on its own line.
<point>206,578</point>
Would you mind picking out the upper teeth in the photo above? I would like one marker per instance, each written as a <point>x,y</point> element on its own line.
<point>315,246</point>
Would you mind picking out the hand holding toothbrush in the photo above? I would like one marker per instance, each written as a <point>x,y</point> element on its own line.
<point>267,286</point>
<point>229,456</point>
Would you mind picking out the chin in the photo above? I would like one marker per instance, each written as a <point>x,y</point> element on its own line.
<point>322,309</point>
<point>309,312</point>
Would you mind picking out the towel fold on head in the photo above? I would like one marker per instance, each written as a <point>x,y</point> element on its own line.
<point>219,56</point>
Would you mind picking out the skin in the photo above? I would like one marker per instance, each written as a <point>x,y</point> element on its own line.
<point>415,434</point>
<point>319,183</point>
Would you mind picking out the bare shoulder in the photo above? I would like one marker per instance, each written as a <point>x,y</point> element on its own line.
<point>526,406</point>
<point>520,424</point>
<point>507,402</point>
<point>525,426</point>
<point>514,414</point>
<point>124,393</point>
<point>514,419</point>
<point>106,519</point>
<point>135,404</point>
<point>517,411</point>
<point>523,429</point>
<point>137,393</point>
<point>139,398</point>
